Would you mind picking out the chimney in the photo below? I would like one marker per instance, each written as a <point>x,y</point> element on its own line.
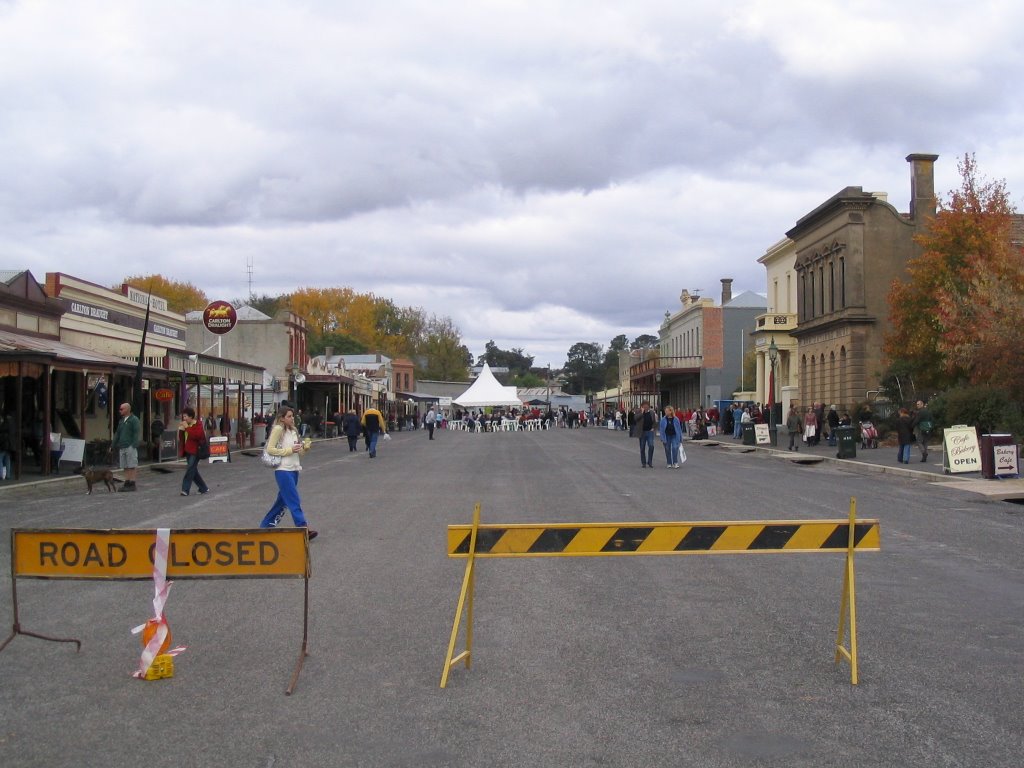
<point>328,353</point>
<point>922,187</point>
<point>726,290</point>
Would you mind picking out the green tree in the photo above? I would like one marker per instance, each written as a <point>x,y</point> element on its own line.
<point>989,409</point>
<point>529,379</point>
<point>583,369</point>
<point>517,362</point>
<point>340,343</point>
<point>644,341</point>
<point>441,355</point>
<point>611,360</point>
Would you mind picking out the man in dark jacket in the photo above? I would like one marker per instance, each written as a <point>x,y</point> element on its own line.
<point>923,426</point>
<point>644,429</point>
<point>352,428</point>
<point>832,419</point>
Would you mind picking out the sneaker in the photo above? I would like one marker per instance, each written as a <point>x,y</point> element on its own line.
<point>183,493</point>
<point>126,487</point>
<point>203,493</point>
<point>311,533</point>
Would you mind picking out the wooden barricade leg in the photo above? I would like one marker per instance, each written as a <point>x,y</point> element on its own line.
<point>16,629</point>
<point>465,600</point>
<point>303,653</point>
<point>849,602</point>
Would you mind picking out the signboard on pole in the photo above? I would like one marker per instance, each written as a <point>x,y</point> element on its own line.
<point>219,317</point>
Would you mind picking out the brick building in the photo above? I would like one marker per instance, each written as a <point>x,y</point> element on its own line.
<point>848,251</point>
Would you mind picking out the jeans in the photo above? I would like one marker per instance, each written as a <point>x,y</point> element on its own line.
<point>287,496</point>
<point>647,448</point>
<point>904,455</point>
<point>192,475</point>
<point>373,443</point>
<point>672,451</point>
<point>5,462</point>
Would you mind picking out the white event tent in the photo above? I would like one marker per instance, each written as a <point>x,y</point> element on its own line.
<point>487,390</point>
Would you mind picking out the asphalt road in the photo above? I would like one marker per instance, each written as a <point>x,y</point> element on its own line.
<point>599,661</point>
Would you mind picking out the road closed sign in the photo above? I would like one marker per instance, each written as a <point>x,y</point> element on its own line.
<point>128,554</point>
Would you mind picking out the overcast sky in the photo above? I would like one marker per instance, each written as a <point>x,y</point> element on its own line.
<point>541,173</point>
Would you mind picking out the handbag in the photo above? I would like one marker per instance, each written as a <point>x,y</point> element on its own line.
<point>203,449</point>
<point>269,459</point>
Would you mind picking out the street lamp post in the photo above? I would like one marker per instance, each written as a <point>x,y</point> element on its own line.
<point>773,357</point>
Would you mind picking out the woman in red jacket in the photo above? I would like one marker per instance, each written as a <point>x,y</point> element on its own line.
<point>194,437</point>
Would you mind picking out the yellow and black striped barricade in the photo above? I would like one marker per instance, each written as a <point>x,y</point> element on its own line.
<point>128,555</point>
<point>661,538</point>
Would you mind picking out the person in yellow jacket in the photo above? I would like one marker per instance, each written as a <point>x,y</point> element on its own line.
<point>373,427</point>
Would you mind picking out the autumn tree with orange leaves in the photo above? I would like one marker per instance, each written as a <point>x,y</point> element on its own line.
<point>350,321</point>
<point>181,297</point>
<point>956,320</point>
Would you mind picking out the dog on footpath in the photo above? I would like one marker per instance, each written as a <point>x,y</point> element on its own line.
<point>94,475</point>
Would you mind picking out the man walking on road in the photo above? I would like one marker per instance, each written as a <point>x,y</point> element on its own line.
<point>126,443</point>
<point>645,432</point>
<point>431,416</point>
<point>373,426</point>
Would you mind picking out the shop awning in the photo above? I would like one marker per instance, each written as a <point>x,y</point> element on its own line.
<point>16,347</point>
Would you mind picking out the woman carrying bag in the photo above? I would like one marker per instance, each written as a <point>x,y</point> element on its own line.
<point>193,447</point>
<point>671,431</point>
<point>285,442</point>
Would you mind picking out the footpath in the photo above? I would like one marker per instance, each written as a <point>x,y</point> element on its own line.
<point>882,460</point>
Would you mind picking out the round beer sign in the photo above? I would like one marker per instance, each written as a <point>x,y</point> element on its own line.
<point>219,317</point>
<point>164,394</point>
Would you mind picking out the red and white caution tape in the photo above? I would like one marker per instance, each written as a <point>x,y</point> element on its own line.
<point>160,587</point>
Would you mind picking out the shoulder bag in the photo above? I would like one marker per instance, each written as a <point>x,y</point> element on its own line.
<point>203,448</point>
<point>269,459</point>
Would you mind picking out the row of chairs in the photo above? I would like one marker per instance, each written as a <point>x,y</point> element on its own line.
<point>505,425</point>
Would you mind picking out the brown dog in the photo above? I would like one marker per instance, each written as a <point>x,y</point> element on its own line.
<point>94,475</point>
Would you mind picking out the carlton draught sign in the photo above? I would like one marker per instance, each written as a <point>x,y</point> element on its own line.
<point>219,317</point>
